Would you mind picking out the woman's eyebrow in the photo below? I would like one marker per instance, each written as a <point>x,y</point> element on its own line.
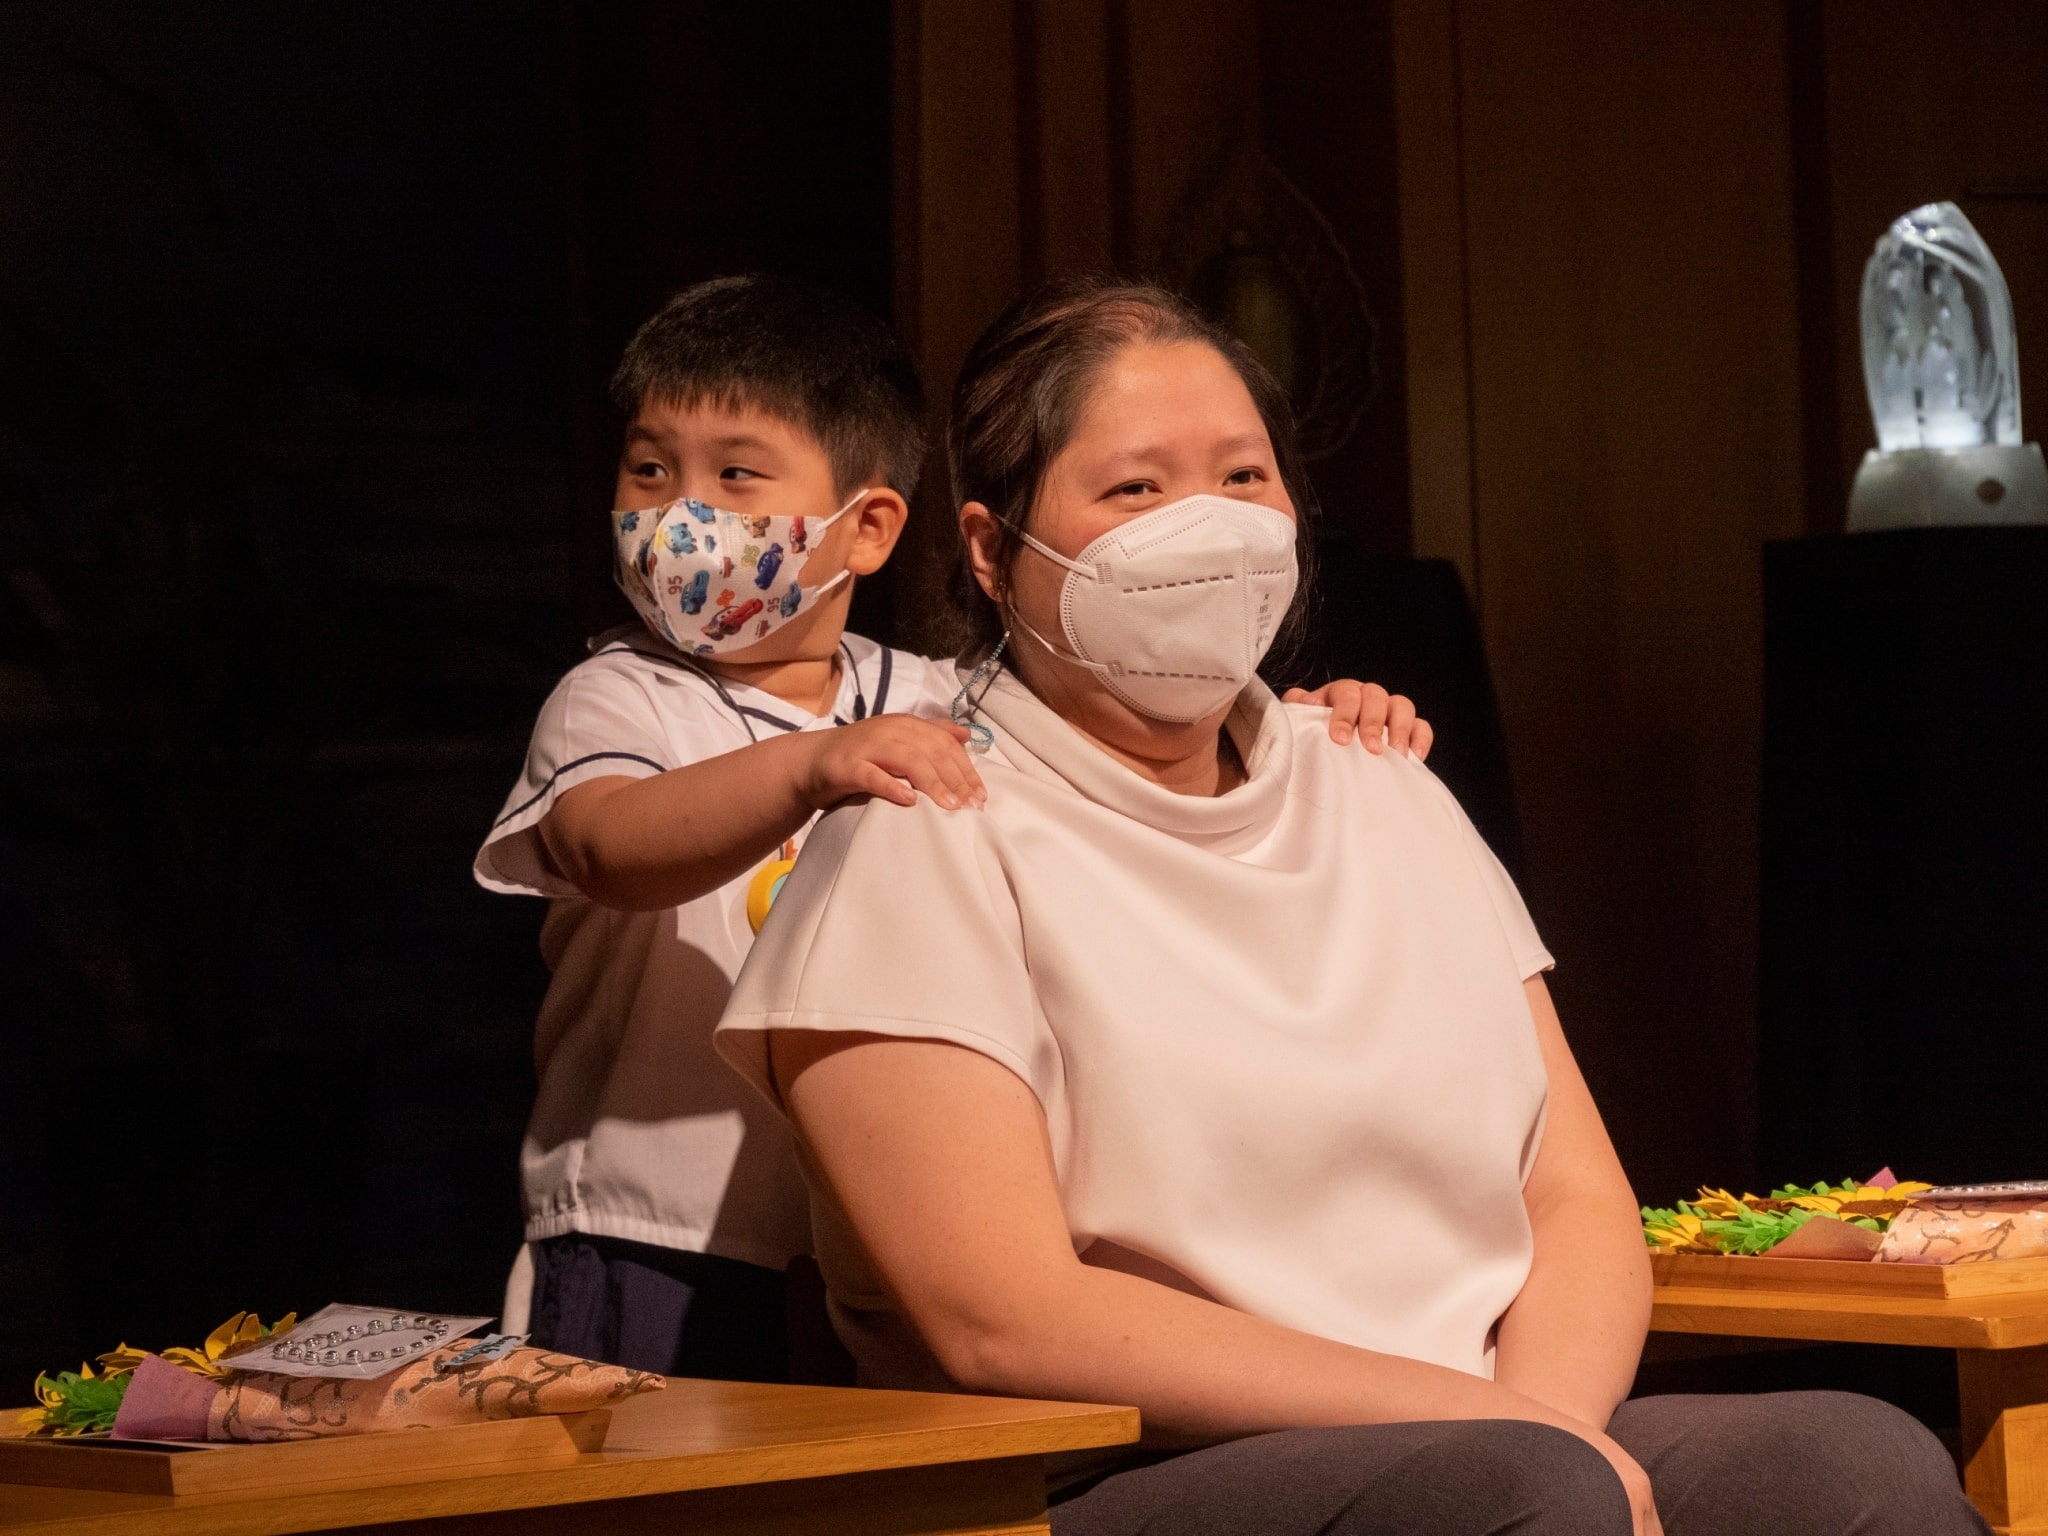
<point>1125,459</point>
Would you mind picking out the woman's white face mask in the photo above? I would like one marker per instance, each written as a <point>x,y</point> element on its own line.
<point>1175,610</point>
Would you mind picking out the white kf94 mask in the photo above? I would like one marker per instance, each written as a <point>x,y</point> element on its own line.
<point>1175,610</point>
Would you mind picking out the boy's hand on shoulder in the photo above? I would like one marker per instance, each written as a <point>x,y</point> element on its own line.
<point>895,758</point>
<point>1379,718</point>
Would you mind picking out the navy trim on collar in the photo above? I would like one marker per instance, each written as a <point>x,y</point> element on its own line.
<point>881,704</point>
<point>861,708</point>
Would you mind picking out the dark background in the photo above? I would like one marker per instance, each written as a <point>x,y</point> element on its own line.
<point>304,317</point>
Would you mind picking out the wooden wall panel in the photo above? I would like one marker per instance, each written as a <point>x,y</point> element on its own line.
<point>959,243</point>
<point>1068,133</point>
<point>1436,339</point>
<point>1327,89</point>
<point>1635,439</point>
<point>1189,83</point>
<point>1037,139</point>
<point>1606,291</point>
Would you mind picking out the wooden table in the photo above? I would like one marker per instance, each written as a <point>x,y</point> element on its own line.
<point>704,1458</point>
<point>1994,1316</point>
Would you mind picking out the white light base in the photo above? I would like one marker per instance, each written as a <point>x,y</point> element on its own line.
<point>1949,487</point>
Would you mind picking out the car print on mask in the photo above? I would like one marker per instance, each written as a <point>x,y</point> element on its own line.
<point>792,600</point>
<point>691,598</point>
<point>770,563</point>
<point>680,540</point>
<point>799,537</point>
<point>699,511</point>
<point>730,621</point>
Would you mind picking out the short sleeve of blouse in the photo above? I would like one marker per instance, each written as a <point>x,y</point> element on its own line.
<point>1531,957</point>
<point>896,921</point>
<point>598,723</point>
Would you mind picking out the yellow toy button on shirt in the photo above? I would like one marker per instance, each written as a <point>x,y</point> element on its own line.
<point>767,885</point>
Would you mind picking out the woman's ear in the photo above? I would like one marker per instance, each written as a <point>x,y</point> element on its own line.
<point>981,535</point>
<point>877,524</point>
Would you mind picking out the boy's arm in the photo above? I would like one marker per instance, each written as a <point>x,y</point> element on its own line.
<point>1374,714</point>
<point>639,845</point>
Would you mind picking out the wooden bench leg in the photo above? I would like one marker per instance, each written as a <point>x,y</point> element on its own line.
<point>2005,1436</point>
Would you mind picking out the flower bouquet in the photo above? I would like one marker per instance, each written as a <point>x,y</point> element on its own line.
<point>1881,1219</point>
<point>343,1371</point>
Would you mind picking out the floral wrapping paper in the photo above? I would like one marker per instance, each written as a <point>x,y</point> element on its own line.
<point>1966,1232</point>
<point>261,1406</point>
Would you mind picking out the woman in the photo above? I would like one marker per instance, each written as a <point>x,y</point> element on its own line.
<point>1210,1067</point>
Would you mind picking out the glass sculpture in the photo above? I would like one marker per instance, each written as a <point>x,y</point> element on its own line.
<point>1941,363</point>
<point>1939,353</point>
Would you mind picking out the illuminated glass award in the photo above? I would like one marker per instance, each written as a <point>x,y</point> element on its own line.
<point>1941,363</point>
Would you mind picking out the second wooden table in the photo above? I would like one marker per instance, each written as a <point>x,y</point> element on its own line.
<point>1994,1316</point>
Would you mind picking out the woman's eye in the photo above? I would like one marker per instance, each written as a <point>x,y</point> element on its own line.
<point>1133,488</point>
<point>1250,475</point>
<point>648,469</point>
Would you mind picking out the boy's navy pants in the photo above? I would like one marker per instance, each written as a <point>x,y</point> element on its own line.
<point>659,1309</point>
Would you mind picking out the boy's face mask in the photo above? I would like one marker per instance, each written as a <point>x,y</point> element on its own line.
<point>709,581</point>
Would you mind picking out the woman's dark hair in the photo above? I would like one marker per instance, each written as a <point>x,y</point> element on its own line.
<point>1019,400</point>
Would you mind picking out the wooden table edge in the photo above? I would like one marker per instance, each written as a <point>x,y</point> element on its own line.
<point>1933,1322</point>
<point>623,1473</point>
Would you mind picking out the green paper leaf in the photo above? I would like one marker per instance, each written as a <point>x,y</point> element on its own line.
<point>84,1403</point>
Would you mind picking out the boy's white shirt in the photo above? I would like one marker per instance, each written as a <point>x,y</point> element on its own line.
<point>639,1131</point>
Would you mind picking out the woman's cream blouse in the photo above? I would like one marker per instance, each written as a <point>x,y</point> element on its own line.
<point>1279,1035</point>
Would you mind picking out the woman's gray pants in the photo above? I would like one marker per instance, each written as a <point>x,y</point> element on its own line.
<point>1777,1464</point>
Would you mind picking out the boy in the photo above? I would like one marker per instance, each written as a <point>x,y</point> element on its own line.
<point>774,434</point>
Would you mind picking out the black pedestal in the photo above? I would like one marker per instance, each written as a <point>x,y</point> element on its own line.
<point>1905,855</point>
<point>1406,625</point>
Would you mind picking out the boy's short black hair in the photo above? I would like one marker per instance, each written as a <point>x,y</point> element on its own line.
<point>796,351</point>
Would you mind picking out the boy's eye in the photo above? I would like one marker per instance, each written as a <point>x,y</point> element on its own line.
<point>738,472</point>
<point>648,469</point>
